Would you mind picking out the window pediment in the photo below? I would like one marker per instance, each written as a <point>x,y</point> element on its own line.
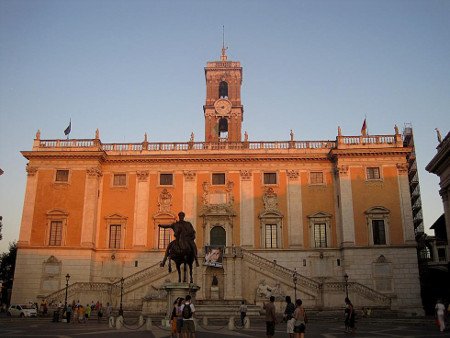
<point>57,213</point>
<point>115,217</point>
<point>378,210</point>
<point>320,215</point>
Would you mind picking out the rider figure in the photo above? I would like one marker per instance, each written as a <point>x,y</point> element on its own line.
<point>184,235</point>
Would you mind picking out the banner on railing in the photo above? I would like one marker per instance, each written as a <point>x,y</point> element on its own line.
<point>214,255</point>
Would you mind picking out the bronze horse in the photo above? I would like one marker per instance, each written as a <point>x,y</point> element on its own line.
<point>180,256</point>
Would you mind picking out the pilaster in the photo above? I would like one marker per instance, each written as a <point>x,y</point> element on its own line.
<point>190,196</point>
<point>295,209</point>
<point>141,209</point>
<point>88,229</point>
<point>405,204</point>
<point>346,202</point>
<point>28,205</point>
<point>246,210</point>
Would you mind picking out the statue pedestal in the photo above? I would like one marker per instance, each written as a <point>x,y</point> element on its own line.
<point>214,292</point>
<point>176,290</point>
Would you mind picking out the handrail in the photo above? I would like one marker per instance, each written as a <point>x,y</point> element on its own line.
<point>302,280</point>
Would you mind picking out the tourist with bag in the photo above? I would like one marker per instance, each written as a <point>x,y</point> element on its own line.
<point>187,312</point>
<point>300,319</point>
<point>289,317</point>
<point>349,316</point>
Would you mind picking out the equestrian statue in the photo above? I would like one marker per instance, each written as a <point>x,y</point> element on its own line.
<point>182,250</point>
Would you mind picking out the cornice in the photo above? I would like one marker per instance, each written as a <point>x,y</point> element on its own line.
<point>334,153</point>
<point>29,155</point>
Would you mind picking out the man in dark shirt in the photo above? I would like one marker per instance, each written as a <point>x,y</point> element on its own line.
<point>289,316</point>
<point>270,317</point>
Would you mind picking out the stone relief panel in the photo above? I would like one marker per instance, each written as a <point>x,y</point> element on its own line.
<point>51,272</point>
<point>164,201</point>
<point>270,200</point>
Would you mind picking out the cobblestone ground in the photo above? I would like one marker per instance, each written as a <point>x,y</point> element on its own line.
<point>327,328</point>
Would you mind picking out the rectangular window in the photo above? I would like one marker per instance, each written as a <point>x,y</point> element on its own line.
<point>165,237</point>
<point>373,173</point>
<point>316,177</point>
<point>120,180</point>
<point>320,235</point>
<point>271,235</point>
<point>55,233</point>
<point>379,234</point>
<point>218,179</point>
<point>270,178</point>
<point>115,232</point>
<point>165,179</point>
<point>62,176</point>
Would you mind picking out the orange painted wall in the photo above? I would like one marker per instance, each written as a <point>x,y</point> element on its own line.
<point>318,198</point>
<point>61,196</point>
<point>367,194</point>
<point>117,200</point>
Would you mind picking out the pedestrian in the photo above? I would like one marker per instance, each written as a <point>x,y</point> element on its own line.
<point>108,310</point>
<point>187,312</point>
<point>81,312</point>
<point>270,318</point>
<point>68,312</point>
<point>289,316</point>
<point>179,317</point>
<point>440,314</point>
<point>243,311</point>
<point>349,316</point>
<point>300,319</point>
<point>88,312</point>
<point>173,320</point>
<point>100,312</point>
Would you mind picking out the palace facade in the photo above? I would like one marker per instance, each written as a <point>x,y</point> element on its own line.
<point>316,218</point>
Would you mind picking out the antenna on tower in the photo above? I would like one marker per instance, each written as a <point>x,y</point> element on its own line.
<point>224,49</point>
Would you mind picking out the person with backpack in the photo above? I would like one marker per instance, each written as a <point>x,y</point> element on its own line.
<point>187,312</point>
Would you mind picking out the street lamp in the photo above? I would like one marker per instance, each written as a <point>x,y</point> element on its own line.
<point>121,294</point>
<point>295,279</point>
<point>67,285</point>
<point>346,285</point>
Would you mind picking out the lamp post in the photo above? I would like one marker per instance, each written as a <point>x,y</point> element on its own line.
<point>346,284</point>
<point>295,279</point>
<point>121,294</point>
<point>67,285</point>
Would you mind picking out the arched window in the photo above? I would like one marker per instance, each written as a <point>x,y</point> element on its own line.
<point>218,236</point>
<point>223,89</point>
<point>223,128</point>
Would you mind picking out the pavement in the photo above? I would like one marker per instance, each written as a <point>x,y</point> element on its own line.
<point>317,327</point>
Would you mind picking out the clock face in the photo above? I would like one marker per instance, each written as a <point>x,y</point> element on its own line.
<point>222,106</point>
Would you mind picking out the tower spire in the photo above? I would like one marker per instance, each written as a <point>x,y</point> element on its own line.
<point>224,49</point>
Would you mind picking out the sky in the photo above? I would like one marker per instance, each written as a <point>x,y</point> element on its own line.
<point>133,67</point>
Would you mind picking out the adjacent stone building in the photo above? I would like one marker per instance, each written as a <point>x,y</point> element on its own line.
<point>292,216</point>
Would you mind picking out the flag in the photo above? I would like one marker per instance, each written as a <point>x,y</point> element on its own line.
<point>364,128</point>
<point>68,129</point>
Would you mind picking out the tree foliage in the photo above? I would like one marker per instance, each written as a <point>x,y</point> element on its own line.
<point>7,266</point>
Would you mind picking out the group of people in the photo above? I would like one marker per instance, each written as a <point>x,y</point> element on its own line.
<point>182,318</point>
<point>296,318</point>
<point>81,314</point>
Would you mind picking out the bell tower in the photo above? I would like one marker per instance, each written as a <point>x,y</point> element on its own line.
<point>223,109</point>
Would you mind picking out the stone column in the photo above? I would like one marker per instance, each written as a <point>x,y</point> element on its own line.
<point>190,197</point>
<point>295,210</point>
<point>90,205</point>
<point>405,204</point>
<point>444,192</point>
<point>247,208</point>
<point>141,205</point>
<point>28,206</point>
<point>346,206</point>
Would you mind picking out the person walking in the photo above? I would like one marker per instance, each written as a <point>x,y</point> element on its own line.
<point>243,311</point>
<point>349,316</point>
<point>173,320</point>
<point>440,314</point>
<point>289,316</point>
<point>68,312</point>
<point>187,312</point>
<point>300,319</point>
<point>99,312</point>
<point>271,319</point>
